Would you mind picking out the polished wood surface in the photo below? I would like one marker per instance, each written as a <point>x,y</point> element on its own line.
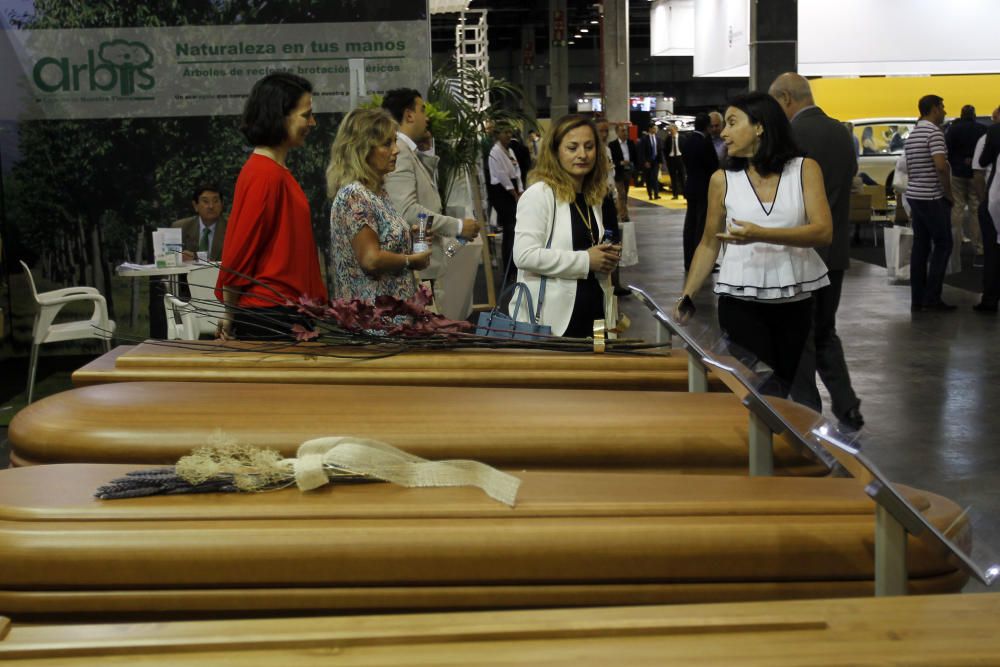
<point>209,361</point>
<point>937,631</point>
<point>158,422</point>
<point>573,539</point>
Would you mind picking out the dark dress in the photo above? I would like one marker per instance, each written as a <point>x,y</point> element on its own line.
<point>589,303</point>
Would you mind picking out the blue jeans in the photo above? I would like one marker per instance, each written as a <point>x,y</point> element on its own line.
<point>931,227</point>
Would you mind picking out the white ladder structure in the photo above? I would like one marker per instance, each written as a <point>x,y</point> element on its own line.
<point>472,46</point>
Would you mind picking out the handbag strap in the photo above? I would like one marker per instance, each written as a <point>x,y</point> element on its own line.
<point>517,290</point>
<point>534,314</point>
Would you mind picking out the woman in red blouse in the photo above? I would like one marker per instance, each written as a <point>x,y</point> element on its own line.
<point>269,256</point>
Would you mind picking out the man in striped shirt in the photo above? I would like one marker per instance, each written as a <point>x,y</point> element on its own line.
<point>929,195</point>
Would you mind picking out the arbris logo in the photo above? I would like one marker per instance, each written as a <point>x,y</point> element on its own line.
<point>118,64</point>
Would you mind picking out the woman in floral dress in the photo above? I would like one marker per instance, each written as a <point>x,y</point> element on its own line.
<point>371,243</point>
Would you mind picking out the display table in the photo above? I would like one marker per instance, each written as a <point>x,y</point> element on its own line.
<point>938,630</point>
<point>158,422</point>
<point>574,539</point>
<point>171,273</point>
<point>210,361</point>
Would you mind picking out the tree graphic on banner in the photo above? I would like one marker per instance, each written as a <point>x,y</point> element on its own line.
<point>86,193</point>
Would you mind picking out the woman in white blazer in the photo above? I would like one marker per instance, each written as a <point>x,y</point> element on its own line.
<point>559,235</point>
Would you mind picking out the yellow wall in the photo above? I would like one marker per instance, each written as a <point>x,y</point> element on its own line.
<point>877,97</point>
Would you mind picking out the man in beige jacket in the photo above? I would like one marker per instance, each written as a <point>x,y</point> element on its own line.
<point>413,187</point>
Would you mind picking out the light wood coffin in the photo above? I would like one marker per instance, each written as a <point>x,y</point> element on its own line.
<point>158,422</point>
<point>209,361</point>
<point>574,538</point>
<point>864,632</point>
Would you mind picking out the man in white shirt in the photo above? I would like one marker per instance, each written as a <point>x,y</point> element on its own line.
<point>504,190</point>
<point>412,187</point>
<point>675,162</point>
<point>624,155</point>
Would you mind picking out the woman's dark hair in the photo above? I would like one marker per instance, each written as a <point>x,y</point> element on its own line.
<point>776,146</point>
<point>271,100</point>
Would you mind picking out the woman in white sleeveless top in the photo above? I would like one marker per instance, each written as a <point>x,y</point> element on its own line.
<point>769,207</point>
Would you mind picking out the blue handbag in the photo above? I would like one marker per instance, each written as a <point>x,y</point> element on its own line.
<point>498,324</point>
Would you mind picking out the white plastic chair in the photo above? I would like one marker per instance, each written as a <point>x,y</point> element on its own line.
<point>48,305</point>
<point>200,316</point>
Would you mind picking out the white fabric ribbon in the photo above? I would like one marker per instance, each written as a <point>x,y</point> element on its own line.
<point>382,461</point>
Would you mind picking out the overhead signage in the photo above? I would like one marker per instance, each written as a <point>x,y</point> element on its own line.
<point>205,70</point>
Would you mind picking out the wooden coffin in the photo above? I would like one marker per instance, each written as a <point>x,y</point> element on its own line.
<point>209,361</point>
<point>574,539</point>
<point>158,422</point>
<point>913,630</point>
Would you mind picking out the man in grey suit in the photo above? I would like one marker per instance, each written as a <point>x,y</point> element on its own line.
<point>827,141</point>
<point>412,187</point>
<point>206,230</point>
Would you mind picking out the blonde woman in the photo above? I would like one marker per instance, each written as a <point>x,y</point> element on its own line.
<point>371,242</point>
<point>561,220</point>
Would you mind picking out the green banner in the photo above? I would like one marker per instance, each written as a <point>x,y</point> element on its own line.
<point>204,70</point>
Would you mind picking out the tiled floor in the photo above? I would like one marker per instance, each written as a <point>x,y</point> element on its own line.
<point>929,383</point>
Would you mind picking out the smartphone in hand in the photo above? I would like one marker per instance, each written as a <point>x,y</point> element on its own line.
<point>686,306</point>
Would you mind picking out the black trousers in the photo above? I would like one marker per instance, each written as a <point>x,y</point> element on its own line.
<point>824,353</point>
<point>772,333</point>
<point>694,226</point>
<point>503,203</point>
<point>651,176</point>
<point>931,220</point>
<point>991,257</point>
<point>675,166</point>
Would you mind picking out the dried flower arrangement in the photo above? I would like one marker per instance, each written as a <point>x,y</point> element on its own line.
<point>225,466</point>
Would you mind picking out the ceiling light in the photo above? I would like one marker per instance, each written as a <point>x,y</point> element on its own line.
<point>584,30</point>
<point>571,42</point>
<point>594,22</point>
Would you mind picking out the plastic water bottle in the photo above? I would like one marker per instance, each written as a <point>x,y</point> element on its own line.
<point>420,243</point>
<point>458,241</point>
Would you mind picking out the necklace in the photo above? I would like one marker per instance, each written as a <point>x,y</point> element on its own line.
<point>760,184</point>
<point>586,221</point>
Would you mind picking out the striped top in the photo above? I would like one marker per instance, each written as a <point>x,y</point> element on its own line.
<point>925,141</point>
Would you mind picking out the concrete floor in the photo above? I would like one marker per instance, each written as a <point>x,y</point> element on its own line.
<point>929,382</point>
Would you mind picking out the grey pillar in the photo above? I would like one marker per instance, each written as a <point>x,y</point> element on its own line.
<point>615,60</point>
<point>773,35</point>
<point>528,64</point>
<point>558,59</point>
